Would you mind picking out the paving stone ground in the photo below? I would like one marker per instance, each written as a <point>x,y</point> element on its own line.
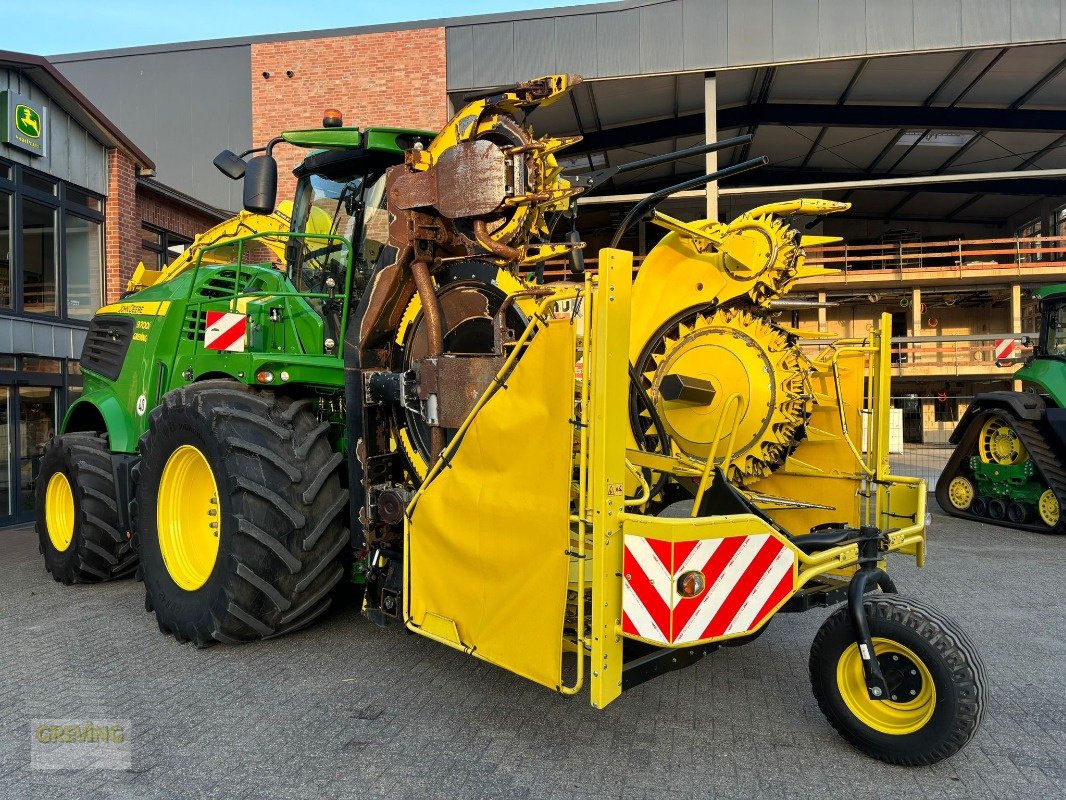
<point>345,710</point>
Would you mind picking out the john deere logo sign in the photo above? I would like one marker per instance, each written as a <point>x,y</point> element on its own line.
<point>22,124</point>
<point>28,121</point>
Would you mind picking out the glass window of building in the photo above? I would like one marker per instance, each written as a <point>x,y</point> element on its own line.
<point>51,246</point>
<point>84,274</point>
<point>38,258</point>
<point>6,255</point>
<point>160,247</point>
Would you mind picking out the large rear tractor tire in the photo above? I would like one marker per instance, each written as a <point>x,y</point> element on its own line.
<point>936,682</point>
<point>240,514</point>
<point>77,512</point>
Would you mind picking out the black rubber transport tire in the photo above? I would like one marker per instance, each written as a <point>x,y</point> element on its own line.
<point>949,681</point>
<point>97,550</point>
<point>979,506</point>
<point>282,532</point>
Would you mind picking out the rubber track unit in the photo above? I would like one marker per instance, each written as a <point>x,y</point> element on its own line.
<point>99,550</point>
<point>1049,467</point>
<point>939,739</point>
<point>284,541</point>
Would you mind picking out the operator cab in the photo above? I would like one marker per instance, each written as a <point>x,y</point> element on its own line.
<point>338,194</point>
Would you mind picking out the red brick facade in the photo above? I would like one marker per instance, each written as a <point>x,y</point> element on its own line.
<point>130,204</point>
<point>122,224</point>
<point>384,79</point>
<point>163,212</point>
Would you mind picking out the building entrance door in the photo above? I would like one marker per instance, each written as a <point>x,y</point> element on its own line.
<point>31,405</point>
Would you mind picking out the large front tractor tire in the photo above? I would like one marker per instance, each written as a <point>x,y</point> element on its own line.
<point>935,678</point>
<point>77,512</point>
<point>239,514</point>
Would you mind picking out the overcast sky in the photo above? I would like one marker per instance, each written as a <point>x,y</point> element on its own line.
<point>51,27</point>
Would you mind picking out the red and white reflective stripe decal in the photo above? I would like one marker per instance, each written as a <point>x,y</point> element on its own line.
<point>746,577</point>
<point>1005,348</point>
<point>225,331</point>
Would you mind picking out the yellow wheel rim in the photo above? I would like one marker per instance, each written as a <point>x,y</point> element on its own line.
<point>905,673</point>
<point>960,493</point>
<point>1000,444</point>
<point>59,511</point>
<point>187,518</point>
<point>1048,506</point>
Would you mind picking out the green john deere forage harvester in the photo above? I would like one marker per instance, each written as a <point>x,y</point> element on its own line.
<point>1009,463</point>
<point>587,482</point>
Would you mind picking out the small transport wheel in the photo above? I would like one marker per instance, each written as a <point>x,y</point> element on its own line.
<point>979,506</point>
<point>997,509</point>
<point>77,512</point>
<point>936,682</point>
<point>239,514</point>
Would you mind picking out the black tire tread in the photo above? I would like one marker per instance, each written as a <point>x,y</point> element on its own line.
<point>279,462</point>
<point>101,552</point>
<point>953,644</point>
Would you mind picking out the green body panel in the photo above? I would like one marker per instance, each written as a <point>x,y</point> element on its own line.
<point>167,351</point>
<point>393,140</point>
<point>1045,292</point>
<point>1048,375</point>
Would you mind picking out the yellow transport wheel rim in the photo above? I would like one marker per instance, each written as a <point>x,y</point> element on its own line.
<point>909,681</point>
<point>960,493</point>
<point>187,518</point>
<point>1000,444</point>
<point>59,511</point>
<point>1048,506</point>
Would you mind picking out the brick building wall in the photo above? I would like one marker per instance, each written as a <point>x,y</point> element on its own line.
<point>128,205</point>
<point>378,79</point>
<point>170,215</point>
<point>122,225</point>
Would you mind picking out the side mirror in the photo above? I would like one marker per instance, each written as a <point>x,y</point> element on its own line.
<point>230,164</point>
<point>261,185</point>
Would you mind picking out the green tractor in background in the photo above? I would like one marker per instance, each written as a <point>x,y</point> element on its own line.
<point>1009,463</point>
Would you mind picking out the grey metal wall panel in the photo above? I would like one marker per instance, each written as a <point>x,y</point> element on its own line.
<point>795,28</point>
<point>575,45</point>
<point>494,53</point>
<point>937,23</point>
<point>985,21</point>
<point>181,107</point>
<point>661,33</point>
<point>618,43</point>
<point>1034,20</point>
<point>841,27</point>
<point>459,42</point>
<point>704,37</point>
<point>534,48</point>
<point>46,339</point>
<point>748,26</point>
<point>889,25</point>
<point>73,154</point>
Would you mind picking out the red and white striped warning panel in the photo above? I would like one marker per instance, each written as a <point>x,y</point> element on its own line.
<point>225,331</point>
<point>1005,348</point>
<point>744,577</point>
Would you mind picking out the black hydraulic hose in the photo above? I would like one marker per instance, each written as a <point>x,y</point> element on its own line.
<point>652,199</point>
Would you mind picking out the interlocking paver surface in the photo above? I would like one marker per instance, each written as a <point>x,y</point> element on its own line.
<point>349,711</point>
